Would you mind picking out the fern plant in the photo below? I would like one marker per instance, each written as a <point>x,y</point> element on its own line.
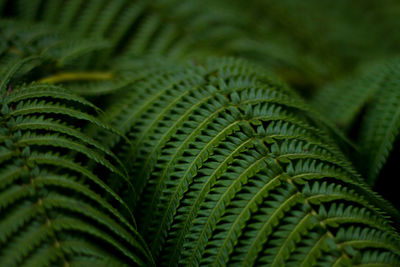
<point>381,126</point>
<point>55,207</point>
<point>373,100</point>
<point>234,171</point>
<point>142,133</point>
<point>370,113</point>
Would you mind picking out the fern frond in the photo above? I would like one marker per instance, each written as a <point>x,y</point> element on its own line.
<point>375,91</point>
<point>226,158</point>
<point>218,159</point>
<point>381,124</point>
<point>49,195</point>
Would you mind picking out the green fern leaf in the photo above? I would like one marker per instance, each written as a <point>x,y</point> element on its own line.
<point>47,198</point>
<point>225,163</point>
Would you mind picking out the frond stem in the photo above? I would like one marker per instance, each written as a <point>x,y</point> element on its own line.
<point>77,76</point>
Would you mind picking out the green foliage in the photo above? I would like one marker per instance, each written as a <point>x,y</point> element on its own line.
<point>381,125</point>
<point>142,133</point>
<point>55,207</point>
<point>234,171</point>
<point>372,102</point>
